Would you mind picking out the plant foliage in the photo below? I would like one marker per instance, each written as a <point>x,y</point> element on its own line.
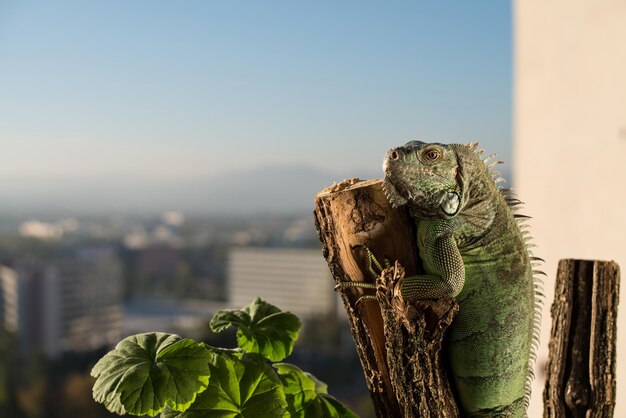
<point>148,374</point>
<point>261,328</point>
<point>307,396</point>
<point>239,387</point>
<point>147,371</point>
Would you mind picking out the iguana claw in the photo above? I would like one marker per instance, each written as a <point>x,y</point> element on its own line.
<point>344,285</point>
<point>372,263</point>
<point>371,259</point>
<point>364,298</point>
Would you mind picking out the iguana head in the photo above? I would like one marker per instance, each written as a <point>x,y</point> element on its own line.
<point>425,177</point>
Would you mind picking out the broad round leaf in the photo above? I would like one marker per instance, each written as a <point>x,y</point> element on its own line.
<point>307,396</point>
<point>238,388</point>
<point>262,329</point>
<point>147,371</point>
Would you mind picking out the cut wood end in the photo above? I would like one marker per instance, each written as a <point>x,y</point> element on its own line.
<point>347,184</point>
<point>583,260</point>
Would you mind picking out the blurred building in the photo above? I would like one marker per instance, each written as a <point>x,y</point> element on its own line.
<point>570,142</point>
<point>296,280</point>
<point>71,303</point>
<point>186,317</point>
<point>9,291</point>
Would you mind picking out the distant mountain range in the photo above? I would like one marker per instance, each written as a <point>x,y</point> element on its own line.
<point>266,190</point>
<point>284,189</point>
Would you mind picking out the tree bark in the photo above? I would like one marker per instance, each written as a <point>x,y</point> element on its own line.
<point>399,343</point>
<point>581,365</point>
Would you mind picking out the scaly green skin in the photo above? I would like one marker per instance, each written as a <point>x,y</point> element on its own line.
<point>472,249</point>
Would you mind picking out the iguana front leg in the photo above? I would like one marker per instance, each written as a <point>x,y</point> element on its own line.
<point>443,264</point>
<point>445,271</point>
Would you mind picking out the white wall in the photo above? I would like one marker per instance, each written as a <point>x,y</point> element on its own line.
<point>570,141</point>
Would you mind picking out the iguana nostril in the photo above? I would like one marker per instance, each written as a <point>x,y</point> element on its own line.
<point>394,155</point>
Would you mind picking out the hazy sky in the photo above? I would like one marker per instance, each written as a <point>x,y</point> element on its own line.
<point>179,90</point>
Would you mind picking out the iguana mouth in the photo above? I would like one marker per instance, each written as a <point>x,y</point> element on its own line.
<point>393,196</point>
<point>449,202</point>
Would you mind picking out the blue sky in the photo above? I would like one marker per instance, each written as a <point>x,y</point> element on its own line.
<point>158,90</point>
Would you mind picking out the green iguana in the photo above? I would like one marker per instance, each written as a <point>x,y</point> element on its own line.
<point>473,247</point>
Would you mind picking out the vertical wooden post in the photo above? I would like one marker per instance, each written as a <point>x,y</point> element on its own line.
<point>399,344</point>
<point>581,365</point>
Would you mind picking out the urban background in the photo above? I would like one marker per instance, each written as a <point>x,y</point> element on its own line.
<point>72,288</point>
<point>158,160</point>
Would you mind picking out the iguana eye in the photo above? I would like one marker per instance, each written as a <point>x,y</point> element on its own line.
<point>431,154</point>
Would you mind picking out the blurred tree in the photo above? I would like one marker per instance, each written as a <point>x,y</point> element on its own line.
<point>30,398</point>
<point>8,375</point>
<point>75,398</point>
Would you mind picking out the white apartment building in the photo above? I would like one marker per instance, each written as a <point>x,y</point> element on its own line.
<point>295,280</point>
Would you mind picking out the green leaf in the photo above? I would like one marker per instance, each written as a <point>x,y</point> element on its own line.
<point>240,388</point>
<point>147,371</point>
<point>307,397</point>
<point>262,329</point>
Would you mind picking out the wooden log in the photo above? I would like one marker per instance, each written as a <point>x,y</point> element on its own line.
<point>391,343</point>
<point>581,365</point>
<point>414,333</point>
